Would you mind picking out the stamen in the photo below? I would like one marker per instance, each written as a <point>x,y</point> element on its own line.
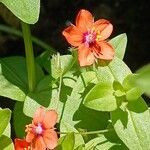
<point>98,37</point>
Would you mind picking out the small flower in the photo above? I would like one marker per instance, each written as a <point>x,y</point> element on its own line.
<point>22,144</point>
<point>90,38</point>
<point>41,133</point>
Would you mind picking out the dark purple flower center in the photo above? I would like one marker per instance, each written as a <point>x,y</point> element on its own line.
<point>89,38</point>
<point>38,129</point>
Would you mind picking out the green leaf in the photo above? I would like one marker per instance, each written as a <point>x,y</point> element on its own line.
<point>6,143</point>
<point>108,141</point>
<point>129,82</point>
<point>13,78</point>
<point>101,143</point>
<point>132,125</point>
<point>81,147</point>
<point>133,92</point>
<point>101,98</point>
<point>119,43</point>
<point>7,88</point>
<point>5,115</point>
<point>66,127</point>
<point>19,125</point>
<point>46,94</point>
<point>40,97</point>
<point>25,10</point>
<point>118,86</point>
<point>67,142</point>
<point>143,79</point>
<point>75,116</point>
<point>118,69</point>
<point>11,91</point>
<point>7,131</point>
<point>44,59</point>
<point>74,100</point>
<point>119,93</point>
<point>58,65</point>
<point>61,64</point>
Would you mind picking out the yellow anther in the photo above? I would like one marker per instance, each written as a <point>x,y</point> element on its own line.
<point>98,37</point>
<point>93,29</point>
<point>28,148</point>
<point>98,32</point>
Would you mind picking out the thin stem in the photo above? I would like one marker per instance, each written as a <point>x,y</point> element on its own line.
<point>29,56</point>
<point>59,91</point>
<point>90,132</point>
<point>58,66</point>
<point>95,69</point>
<point>18,33</point>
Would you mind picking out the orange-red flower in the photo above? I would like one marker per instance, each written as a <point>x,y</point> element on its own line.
<point>90,38</point>
<point>41,133</point>
<point>21,144</point>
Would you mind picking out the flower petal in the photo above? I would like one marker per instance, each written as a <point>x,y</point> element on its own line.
<point>20,144</point>
<point>85,56</point>
<point>39,115</point>
<point>104,27</point>
<point>50,138</point>
<point>50,119</point>
<point>106,51</point>
<point>39,144</point>
<point>30,136</point>
<point>84,20</point>
<point>73,35</point>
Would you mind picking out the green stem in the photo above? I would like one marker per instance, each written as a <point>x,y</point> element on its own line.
<point>90,132</point>
<point>18,33</point>
<point>59,91</point>
<point>29,56</point>
<point>58,66</point>
<point>95,69</point>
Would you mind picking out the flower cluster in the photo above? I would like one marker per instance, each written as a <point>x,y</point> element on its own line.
<point>89,38</point>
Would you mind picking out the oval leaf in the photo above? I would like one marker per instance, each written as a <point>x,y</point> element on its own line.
<point>67,142</point>
<point>119,43</point>
<point>119,69</point>
<point>6,143</point>
<point>25,10</point>
<point>105,143</point>
<point>66,127</point>
<point>17,114</point>
<point>40,96</point>
<point>101,98</point>
<point>132,125</point>
<point>13,77</point>
<point>143,79</point>
<point>133,92</point>
<point>5,115</point>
